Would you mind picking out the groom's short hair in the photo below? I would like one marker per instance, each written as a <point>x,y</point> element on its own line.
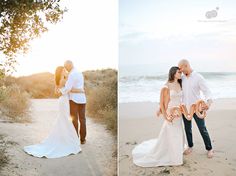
<point>68,62</point>
<point>184,61</point>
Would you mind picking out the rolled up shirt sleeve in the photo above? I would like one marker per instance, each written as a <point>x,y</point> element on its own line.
<point>204,88</point>
<point>68,85</point>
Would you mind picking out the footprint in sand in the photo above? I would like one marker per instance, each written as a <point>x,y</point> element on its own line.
<point>165,171</point>
<point>140,172</point>
<point>218,151</point>
<point>131,143</point>
<point>123,157</point>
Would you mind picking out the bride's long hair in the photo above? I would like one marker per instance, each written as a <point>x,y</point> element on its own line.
<point>58,74</point>
<point>171,77</point>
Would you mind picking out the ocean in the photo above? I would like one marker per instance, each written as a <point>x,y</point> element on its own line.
<point>144,85</point>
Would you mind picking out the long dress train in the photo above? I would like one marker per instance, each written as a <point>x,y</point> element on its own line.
<point>62,140</point>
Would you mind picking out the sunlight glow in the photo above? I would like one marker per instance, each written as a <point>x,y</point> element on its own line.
<point>87,35</point>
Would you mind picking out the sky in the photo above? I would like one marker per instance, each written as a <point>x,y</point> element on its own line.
<point>161,32</point>
<point>87,35</point>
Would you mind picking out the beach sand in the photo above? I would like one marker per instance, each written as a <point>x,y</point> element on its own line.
<point>97,156</point>
<point>138,122</point>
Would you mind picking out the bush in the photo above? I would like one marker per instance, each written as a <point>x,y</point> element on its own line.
<point>102,98</point>
<point>39,85</point>
<point>2,93</point>
<point>14,102</point>
<point>4,159</point>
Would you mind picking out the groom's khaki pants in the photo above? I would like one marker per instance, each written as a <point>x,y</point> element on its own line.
<point>77,111</point>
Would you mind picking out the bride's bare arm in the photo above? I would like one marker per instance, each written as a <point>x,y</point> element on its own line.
<point>164,100</point>
<point>62,82</point>
<point>77,90</point>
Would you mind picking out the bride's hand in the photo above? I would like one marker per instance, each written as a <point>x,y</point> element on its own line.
<point>57,91</point>
<point>158,113</point>
<point>168,117</point>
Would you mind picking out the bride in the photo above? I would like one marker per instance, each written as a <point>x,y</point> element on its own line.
<point>168,148</point>
<point>63,139</point>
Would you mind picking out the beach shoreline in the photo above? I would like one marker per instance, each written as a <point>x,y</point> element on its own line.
<point>138,122</point>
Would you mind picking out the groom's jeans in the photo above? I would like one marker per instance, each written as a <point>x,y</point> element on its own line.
<point>77,111</point>
<point>202,128</point>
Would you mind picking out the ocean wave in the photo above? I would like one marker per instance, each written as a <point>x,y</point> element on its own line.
<point>142,78</point>
<point>147,88</point>
<point>162,77</point>
<point>216,75</point>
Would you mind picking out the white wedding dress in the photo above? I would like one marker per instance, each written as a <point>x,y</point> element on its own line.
<point>62,140</point>
<point>168,148</point>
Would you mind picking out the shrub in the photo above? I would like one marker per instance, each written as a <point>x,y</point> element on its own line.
<point>102,98</point>
<point>14,102</point>
<point>2,93</point>
<point>39,85</point>
<point>4,159</point>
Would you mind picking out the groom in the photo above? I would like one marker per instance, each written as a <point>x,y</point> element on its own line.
<point>192,84</point>
<point>77,100</point>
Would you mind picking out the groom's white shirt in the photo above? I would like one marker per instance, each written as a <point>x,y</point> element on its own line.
<point>192,86</point>
<point>75,80</point>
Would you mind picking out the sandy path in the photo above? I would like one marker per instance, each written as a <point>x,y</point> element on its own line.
<point>138,123</point>
<point>95,159</point>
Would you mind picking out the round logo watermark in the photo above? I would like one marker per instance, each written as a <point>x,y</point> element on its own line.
<point>212,13</point>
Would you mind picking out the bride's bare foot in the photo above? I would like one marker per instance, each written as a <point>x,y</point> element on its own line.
<point>188,151</point>
<point>210,153</point>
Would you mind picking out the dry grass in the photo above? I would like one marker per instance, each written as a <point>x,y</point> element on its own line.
<point>102,97</point>
<point>14,103</point>
<point>4,146</point>
<point>38,85</point>
<point>4,159</point>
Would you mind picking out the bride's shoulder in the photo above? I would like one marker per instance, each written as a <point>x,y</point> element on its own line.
<point>165,88</point>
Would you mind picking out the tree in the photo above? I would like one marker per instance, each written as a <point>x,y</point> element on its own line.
<point>20,22</point>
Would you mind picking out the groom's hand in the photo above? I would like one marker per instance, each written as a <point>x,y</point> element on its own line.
<point>207,105</point>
